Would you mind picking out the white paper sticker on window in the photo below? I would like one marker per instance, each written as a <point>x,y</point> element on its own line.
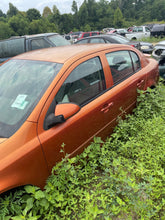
<point>20,102</point>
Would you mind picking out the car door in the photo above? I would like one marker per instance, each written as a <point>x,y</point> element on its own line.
<point>147,32</point>
<point>84,83</point>
<point>128,77</point>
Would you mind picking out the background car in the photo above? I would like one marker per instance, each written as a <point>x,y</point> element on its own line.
<point>64,96</point>
<point>87,34</point>
<point>120,31</point>
<point>159,54</point>
<point>159,48</point>
<point>158,30</point>
<point>108,38</point>
<point>162,65</point>
<point>145,47</point>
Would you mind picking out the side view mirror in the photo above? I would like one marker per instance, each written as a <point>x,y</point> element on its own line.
<point>62,113</point>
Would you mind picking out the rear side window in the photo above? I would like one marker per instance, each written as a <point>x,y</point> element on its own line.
<point>84,83</point>
<point>121,65</point>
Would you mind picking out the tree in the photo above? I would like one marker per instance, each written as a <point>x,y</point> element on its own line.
<point>118,18</point>
<point>55,10</point>
<point>83,15</point>
<point>12,10</point>
<point>66,23</point>
<point>5,30</point>
<point>41,26</point>
<point>2,14</point>
<point>33,14</point>
<point>19,25</point>
<point>74,7</point>
<point>46,12</point>
<point>55,16</point>
<point>75,15</point>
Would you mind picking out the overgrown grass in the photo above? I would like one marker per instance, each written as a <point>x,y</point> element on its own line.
<point>153,40</point>
<point>121,178</point>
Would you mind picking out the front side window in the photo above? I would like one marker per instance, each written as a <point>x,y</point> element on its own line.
<point>147,29</point>
<point>39,43</point>
<point>120,64</point>
<point>22,84</point>
<point>84,83</point>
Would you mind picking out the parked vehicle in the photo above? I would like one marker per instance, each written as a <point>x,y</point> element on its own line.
<point>16,45</point>
<point>145,47</point>
<point>106,30</point>
<point>75,35</point>
<point>139,32</point>
<point>64,95</point>
<point>158,30</point>
<point>159,54</point>
<point>87,34</point>
<point>108,38</point>
<point>158,49</point>
<point>120,31</point>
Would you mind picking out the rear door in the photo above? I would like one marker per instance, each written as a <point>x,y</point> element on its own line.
<point>128,77</point>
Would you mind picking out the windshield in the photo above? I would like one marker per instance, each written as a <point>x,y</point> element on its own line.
<point>22,84</point>
<point>58,40</point>
<point>120,39</point>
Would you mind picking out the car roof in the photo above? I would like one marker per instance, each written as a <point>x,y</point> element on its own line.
<point>63,53</point>
<point>40,35</point>
<point>33,35</point>
<point>101,36</point>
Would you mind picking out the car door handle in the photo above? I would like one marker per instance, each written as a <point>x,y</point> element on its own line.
<point>107,107</point>
<point>140,83</point>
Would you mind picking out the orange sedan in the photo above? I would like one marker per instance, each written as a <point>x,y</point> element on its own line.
<point>64,95</point>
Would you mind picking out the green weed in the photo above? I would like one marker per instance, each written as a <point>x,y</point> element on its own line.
<point>121,178</point>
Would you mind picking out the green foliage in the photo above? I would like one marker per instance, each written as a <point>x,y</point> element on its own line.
<point>121,178</point>
<point>33,14</point>
<point>18,24</point>
<point>97,14</point>
<point>12,10</point>
<point>5,30</point>
<point>118,18</point>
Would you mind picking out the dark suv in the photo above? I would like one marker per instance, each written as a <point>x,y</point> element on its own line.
<point>158,30</point>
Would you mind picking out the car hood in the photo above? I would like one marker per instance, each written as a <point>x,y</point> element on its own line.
<point>161,43</point>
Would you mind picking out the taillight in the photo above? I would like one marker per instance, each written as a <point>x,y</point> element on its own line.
<point>133,45</point>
